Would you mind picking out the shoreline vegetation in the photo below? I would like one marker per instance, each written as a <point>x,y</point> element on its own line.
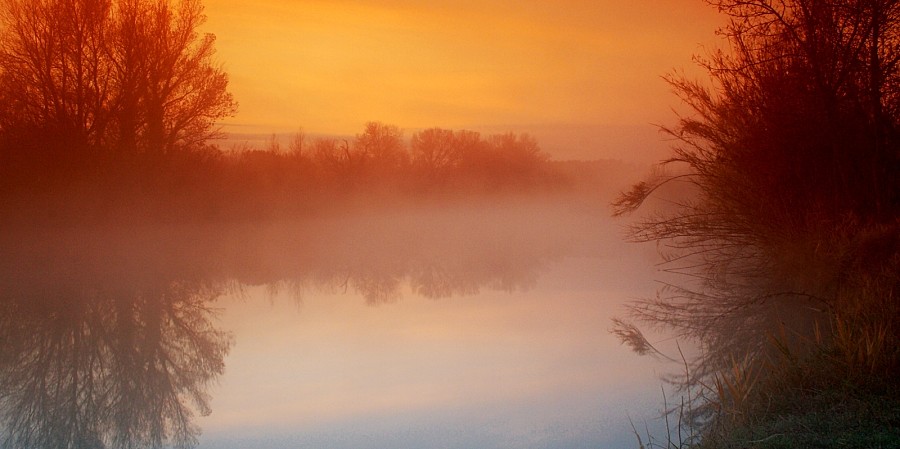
<point>110,110</point>
<point>122,222</point>
<point>59,184</point>
<point>784,227</point>
<point>787,250</point>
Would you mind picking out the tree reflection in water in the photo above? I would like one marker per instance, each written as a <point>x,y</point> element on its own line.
<point>109,338</point>
<point>92,366</point>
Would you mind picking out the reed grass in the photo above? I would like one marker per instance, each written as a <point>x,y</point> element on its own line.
<point>826,379</point>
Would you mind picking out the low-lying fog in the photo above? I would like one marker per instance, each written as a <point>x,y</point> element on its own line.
<point>444,324</point>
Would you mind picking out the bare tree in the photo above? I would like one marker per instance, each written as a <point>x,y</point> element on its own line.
<point>435,150</point>
<point>297,144</point>
<point>55,72</point>
<point>183,91</point>
<point>792,155</point>
<point>381,148</point>
<point>129,74</point>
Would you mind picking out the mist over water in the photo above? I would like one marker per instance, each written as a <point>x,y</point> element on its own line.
<point>455,323</point>
<point>161,286</point>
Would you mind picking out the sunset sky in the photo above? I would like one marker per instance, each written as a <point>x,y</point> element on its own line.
<point>582,76</point>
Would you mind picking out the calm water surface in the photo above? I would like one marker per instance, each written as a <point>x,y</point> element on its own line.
<point>457,325</point>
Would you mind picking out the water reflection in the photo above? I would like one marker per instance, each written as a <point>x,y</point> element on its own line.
<point>94,365</point>
<point>434,272</point>
<point>109,338</point>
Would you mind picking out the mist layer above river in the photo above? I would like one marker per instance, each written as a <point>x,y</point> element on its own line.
<point>383,316</point>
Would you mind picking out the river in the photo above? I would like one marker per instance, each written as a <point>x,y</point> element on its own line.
<point>441,324</point>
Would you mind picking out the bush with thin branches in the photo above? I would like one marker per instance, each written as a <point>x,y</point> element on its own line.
<point>792,228</point>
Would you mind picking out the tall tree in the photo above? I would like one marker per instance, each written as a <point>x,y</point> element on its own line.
<point>381,146</point>
<point>134,75</point>
<point>55,73</point>
<point>435,150</point>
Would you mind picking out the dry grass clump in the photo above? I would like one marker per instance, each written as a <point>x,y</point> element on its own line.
<point>826,379</point>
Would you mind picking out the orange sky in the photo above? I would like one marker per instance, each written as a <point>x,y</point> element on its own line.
<point>582,74</point>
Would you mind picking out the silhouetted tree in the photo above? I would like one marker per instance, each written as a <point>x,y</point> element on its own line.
<point>127,74</point>
<point>381,150</point>
<point>806,106</point>
<point>793,155</point>
<point>297,145</point>
<point>506,160</point>
<point>435,151</point>
<point>183,91</point>
<point>518,153</point>
<point>335,158</point>
<point>55,73</point>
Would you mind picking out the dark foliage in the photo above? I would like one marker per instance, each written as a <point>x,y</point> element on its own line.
<point>789,238</point>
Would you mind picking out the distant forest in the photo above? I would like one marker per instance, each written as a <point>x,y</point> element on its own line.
<point>54,182</point>
<point>109,110</point>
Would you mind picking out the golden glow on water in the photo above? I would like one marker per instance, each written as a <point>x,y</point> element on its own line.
<point>469,323</point>
<point>491,311</point>
<point>302,368</point>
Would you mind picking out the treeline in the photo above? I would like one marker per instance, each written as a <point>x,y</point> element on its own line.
<point>381,160</point>
<point>108,108</point>
<point>44,178</point>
